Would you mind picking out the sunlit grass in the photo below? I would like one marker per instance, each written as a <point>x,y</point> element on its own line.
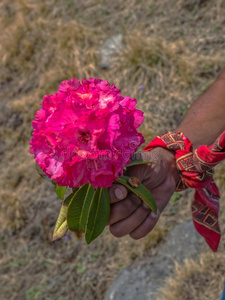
<point>196,280</point>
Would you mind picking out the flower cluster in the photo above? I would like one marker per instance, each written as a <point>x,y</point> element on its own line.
<point>85,133</point>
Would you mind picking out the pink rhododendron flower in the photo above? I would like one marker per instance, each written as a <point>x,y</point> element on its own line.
<point>86,133</point>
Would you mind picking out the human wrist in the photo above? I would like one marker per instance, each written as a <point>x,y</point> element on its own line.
<point>170,160</point>
<point>192,134</point>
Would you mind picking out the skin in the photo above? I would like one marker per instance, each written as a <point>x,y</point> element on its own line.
<point>204,121</point>
<point>202,124</point>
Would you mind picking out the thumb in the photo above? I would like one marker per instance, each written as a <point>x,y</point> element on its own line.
<point>142,170</point>
<point>117,192</point>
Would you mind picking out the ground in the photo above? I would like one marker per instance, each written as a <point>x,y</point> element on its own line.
<point>173,50</point>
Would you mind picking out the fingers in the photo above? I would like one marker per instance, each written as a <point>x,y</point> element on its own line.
<point>146,226</point>
<point>151,173</point>
<point>163,193</point>
<point>123,209</point>
<point>117,192</point>
<point>130,223</point>
<point>128,216</point>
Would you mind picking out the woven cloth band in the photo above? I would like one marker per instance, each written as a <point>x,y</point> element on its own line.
<point>196,170</point>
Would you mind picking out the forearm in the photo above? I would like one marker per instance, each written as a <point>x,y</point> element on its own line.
<point>205,120</point>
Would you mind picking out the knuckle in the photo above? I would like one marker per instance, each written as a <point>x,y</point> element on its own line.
<point>135,200</point>
<point>122,210</point>
<point>128,207</point>
<point>171,183</point>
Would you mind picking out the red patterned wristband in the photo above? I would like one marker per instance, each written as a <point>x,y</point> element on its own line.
<point>196,170</point>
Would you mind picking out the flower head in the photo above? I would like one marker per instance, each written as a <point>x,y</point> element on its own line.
<point>85,133</point>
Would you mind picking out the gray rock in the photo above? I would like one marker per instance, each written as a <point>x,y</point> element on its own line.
<point>182,242</point>
<point>109,50</point>
<point>142,282</point>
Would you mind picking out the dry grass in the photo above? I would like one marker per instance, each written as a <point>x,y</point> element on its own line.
<point>174,49</point>
<point>197,280</point>
<point>12,211</point>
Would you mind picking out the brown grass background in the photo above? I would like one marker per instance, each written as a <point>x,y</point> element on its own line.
<point>174,49</point>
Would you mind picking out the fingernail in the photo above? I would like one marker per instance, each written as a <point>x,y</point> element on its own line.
<point>119,194</point>
<point>153,215</point>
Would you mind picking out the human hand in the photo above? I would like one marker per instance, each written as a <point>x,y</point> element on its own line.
<point>128,213</point>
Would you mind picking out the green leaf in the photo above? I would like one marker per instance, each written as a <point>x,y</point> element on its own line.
<point>78,210</point>
<point>141,191</point>
<point>75,189</point>
<point>61,217</point>
<point>60,191</point>
<point>140,162</point>
<point>60,226</point>
<point>41,173</point>
<point>69,198</point>
<point>98,214</point>
<point>61,231</point>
